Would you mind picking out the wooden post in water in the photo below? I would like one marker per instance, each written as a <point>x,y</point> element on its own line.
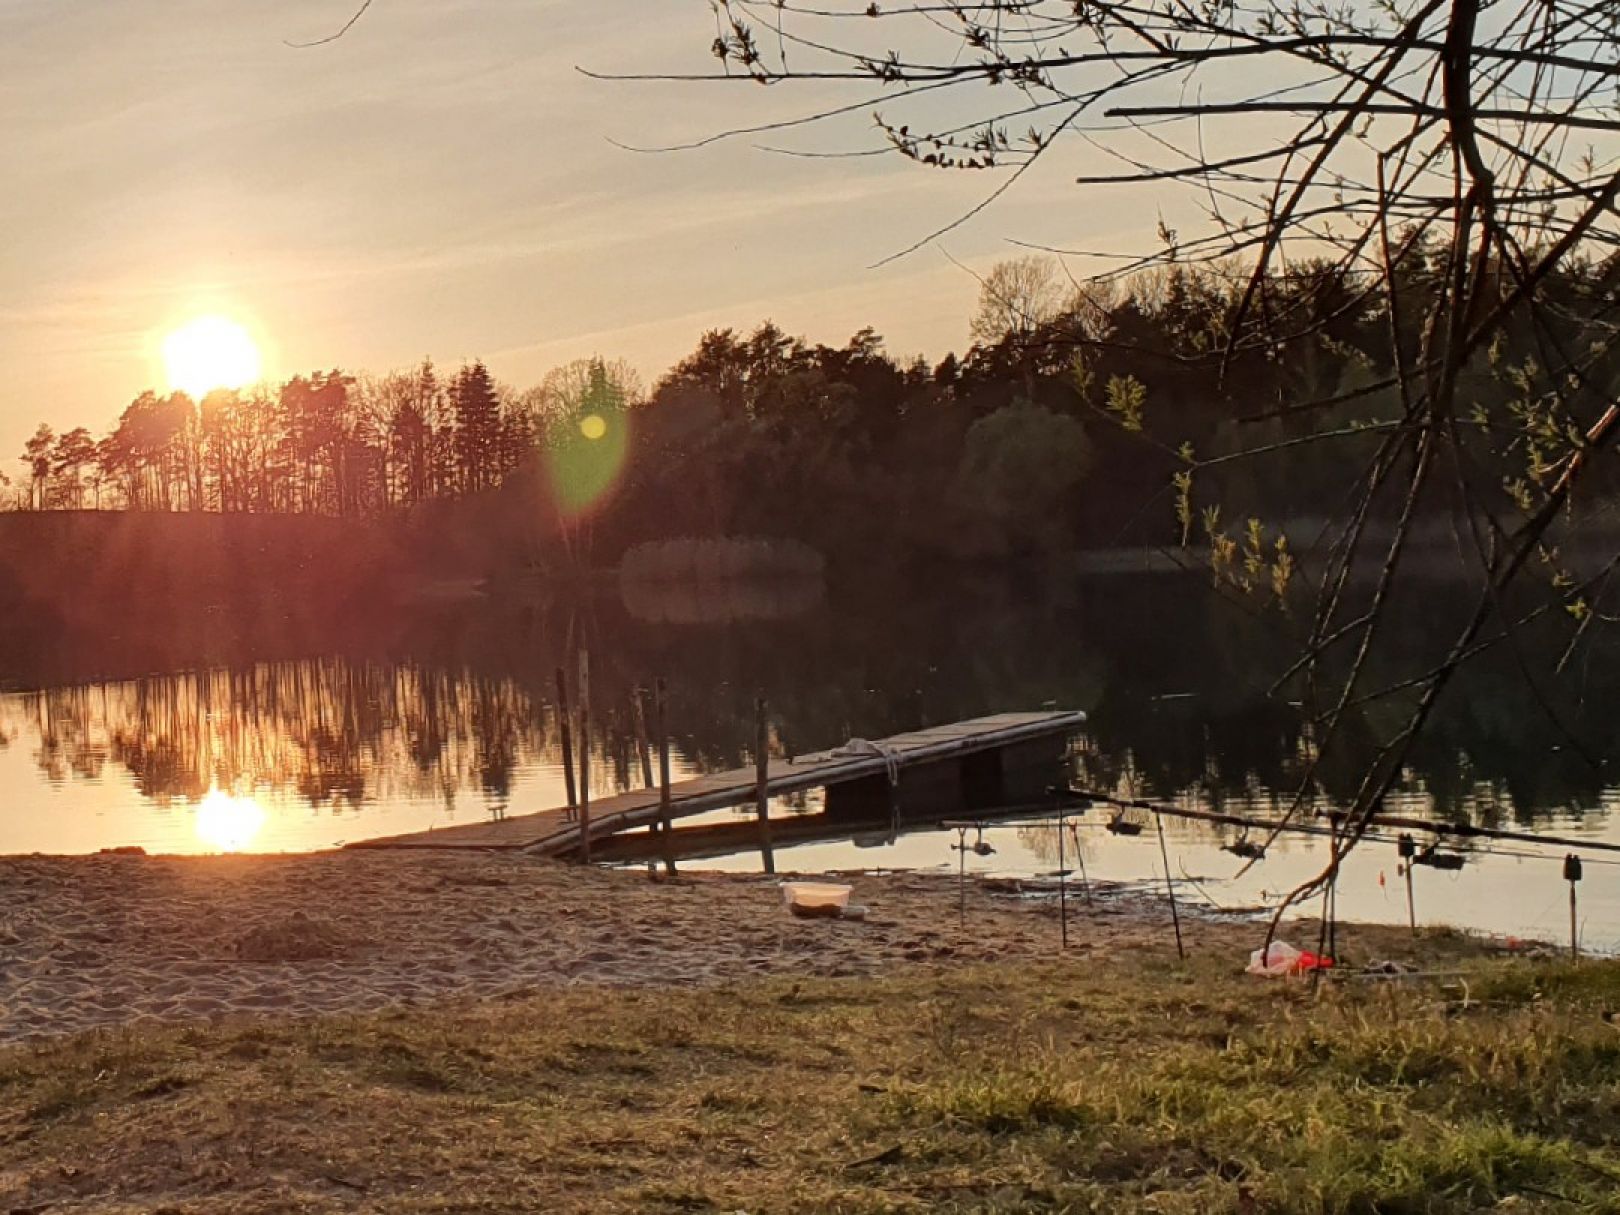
<point>638,714</point>
<point>585,756</point>
<point>567,729</point>
<point>638,721</point>
<point>665,826</point>
<point>762,783</point>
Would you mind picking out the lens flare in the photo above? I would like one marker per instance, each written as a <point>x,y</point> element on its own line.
<point>586,454</point>
<point>586,464</point>
<point>226,823</point>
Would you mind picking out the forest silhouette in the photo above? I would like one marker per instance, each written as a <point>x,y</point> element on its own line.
<point>1084,415</point>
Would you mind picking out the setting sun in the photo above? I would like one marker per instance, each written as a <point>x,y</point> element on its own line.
<point>208,353</point>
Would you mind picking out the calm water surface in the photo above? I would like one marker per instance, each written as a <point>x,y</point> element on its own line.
<point>446,716</point>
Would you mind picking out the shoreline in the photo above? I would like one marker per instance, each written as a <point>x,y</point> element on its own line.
<point>107,940</point>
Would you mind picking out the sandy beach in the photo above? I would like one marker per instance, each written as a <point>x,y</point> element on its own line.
<point>106,940</point>
<point>520,1035</point>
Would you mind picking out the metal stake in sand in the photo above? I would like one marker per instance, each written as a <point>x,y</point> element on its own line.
<point>961,877</point>
<point>1328,938</point>
<point>762,783</point>
<point>1572,874</point>
<point>1406,849</point>
<point>1333,914</point>
<point>666,828</point>
<point>1063,884</point>
<point>567,729</point>
<point>1170,885</point>
<point>1080,859</point>
<point>585,756</point>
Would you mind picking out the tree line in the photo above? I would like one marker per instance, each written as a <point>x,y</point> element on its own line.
<point>1083,414</point>
<point>323,443</point>
<point>1158,409</point>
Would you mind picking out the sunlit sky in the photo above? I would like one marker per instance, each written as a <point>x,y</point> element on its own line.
<point>443,182</point>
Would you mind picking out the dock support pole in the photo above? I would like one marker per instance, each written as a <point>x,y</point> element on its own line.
<point>665,826</point>
<point>566,727</point>
<point>1170,885</point>
<point>585,756</point>
<point>638,714</point>
<point>762,783</point>
<point>638,721</point>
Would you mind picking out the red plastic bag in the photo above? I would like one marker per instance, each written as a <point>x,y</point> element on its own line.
<point>1280,958</point>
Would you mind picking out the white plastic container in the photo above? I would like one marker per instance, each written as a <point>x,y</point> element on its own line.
<point>815,898</point>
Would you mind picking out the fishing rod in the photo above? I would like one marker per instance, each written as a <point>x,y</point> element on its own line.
<point>1066,797</point>
<point>1398,822</point>
<point>1372,837</point>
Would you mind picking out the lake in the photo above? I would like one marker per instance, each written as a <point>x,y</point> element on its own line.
<point>437,714</point>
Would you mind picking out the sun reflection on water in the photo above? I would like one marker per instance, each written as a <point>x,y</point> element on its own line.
<point>227,823</point>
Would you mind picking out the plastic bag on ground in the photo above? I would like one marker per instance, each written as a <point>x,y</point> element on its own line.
<point>1280,958</point>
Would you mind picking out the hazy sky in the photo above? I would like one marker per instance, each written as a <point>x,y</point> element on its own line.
<point>442,182</point>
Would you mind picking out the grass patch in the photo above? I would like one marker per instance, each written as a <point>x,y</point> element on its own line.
<point>1000,1102</point>
<point>1570,984</point>
<point>1058,1087</point>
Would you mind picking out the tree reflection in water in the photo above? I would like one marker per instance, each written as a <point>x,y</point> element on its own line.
<point>460,703</point>
<point>329,732</point>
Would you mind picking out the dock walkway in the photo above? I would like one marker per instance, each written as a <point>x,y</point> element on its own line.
<point>557,832</point>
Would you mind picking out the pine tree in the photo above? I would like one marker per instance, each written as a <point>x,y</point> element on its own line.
<point>478,427</point>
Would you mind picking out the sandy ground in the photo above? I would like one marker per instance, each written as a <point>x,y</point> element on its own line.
<point>104,940</point>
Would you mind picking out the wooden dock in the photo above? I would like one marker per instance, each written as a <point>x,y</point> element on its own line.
<point>958,766</point>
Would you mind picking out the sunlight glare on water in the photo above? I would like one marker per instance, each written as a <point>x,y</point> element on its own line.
<point>227,823</point>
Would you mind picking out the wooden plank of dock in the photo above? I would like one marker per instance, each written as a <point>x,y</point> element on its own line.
<point>557,832</point>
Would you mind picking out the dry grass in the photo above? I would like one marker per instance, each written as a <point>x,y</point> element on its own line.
<point>1053,1087</point>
